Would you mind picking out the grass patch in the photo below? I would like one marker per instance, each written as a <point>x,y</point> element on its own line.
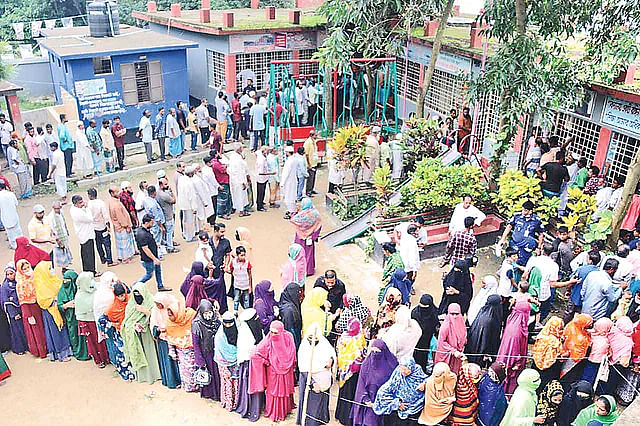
<point>28,103</point>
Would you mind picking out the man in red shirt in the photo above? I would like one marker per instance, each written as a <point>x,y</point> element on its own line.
<point>236,116</point>
<point>224,193</point>
<point>118,131</point>
<point>272,123</point>
<point>464,129</point>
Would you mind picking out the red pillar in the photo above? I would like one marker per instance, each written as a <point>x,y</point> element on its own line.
<point>296,67</point>
<point>230,72</point>
<point>602,148</point>
<point>14,110</point>
<point>421,77</point>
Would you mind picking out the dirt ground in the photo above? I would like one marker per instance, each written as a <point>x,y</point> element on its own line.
<point>78,393</point>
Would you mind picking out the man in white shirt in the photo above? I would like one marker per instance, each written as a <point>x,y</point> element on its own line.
<point>187,204</point>
<point>9,214</point>
<point>549,270</point>
<point>203,120</point>
<point>145,131</point>
<point>262,176</point>
<point>222,110</point>
<point>40,233</point>
<point>239,180</point>
<point>5,134</point>
<point>210,180</point>
<point>312,96</point>
<point>101,227</point>
<point>205,206</point>
<point>257,124</point>
<point>463,210</point>
<point>57,172</point>
<point>44,152</point>
<point>409,252</point>
<point>108,144</point>
<point>289,182</point>
<point>618,186</point>
<point>624,273</point>
<point>301,103</point>
<point>84,162</point>
<point>83,224</point>
<point>139,199</point>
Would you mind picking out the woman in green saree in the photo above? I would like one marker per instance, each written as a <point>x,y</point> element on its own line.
<point>66,305</point>
<point>602,411</point>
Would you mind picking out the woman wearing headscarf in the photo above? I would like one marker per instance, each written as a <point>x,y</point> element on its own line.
<point>31,312</point>
<point>66,305</point>
<point>249,334</point>
<point>621,345</point>
<point>627,390</point>
<point>350,349</point>
<point>484,333</point>
<point>83,303</point>
<point>196,292</point>
<point>316,360</point>
<point>426,314</point>
<point>197,269</point>
<point>110,324</point>
<point>271,370</point>
<point>458,287</point>
<point>5,331</point>
<point>295,269</point>
<point>491,398</point>
<point>243,237</point>
<point>374,372</point>
<point>307,223</point>
<point>549,402</point>
<point>203,332</point>
<point>386,315</point>
<point>103,297</point>
<point>179,324</point>
<point>576,344</point>
<point>47,288</point>
<point>465,407</point>
<point>599,348</point>
<point>522,408</point>
<point>313,312</point>
<point>401,396</point>
<point>513,346</point>
<point>634,309</point>
<point>488,287</point>
<point>265,304</point>
<point>353,308</point>
<point>10,305</point>
<point>215,289</point>
<point>452,339</point>
<point>579,396</point>
<point>398,280</point>
<point>439,395</point>
<point>169,371</point>
<point>602,412</point>
<point>26,250</point>
<point>291,311</point>
<point>402,337</point>
<point>226,356</point>
<point>139,347</point>
<point>547,349</point>
<point>4,369</point>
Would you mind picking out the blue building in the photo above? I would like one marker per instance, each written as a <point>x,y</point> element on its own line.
<point>122,75</point>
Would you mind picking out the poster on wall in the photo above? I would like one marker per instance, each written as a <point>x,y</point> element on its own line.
<point>622,114</point>
<point>99,105</point>
<point>252,43</point>
<point>85,88</point>
<point>447,62</point>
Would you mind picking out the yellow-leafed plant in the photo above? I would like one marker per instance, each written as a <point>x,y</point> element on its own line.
<point>514,188</point>
<point>581,208</point>
<point>384,184</point>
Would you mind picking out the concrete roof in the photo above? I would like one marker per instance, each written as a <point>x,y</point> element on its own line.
<point>71,43</point>
<point>8,88</point>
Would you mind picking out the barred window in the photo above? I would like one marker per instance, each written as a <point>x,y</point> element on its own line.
<point>101,65</point>
<point>488,119</point>
<point>412,82</point>
<point>142,82</point>
<point>622,150</point>
<point>586,134</point>
<point>307,69</point>
<point>215,68</point>
<point>259,63</point>
<point>445,92</point>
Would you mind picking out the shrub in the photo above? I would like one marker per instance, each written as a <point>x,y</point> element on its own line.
<point>419,140</point>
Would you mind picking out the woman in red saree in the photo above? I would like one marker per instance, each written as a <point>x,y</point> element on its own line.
<point>26,250</point>
<point>272,367</point>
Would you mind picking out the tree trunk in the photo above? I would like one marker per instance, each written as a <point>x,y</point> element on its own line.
<point>437,43</point>
<point>371,93</point>
<point>630,184</point>
<point>328,101</point>
<point>521,16</point>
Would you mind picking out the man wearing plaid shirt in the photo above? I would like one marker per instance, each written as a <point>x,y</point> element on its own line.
<point>462,244</point>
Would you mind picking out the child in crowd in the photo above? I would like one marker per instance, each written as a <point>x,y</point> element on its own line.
<point>242,279</point>
<point>204,252</point>
<point>593,181</point>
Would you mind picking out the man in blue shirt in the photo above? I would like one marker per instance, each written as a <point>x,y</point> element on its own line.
<point>599,291</point>
<point>152,207</point>
<point>525,226</point>
<point>66,144</point>
<point>161,131</point>
<point>301,172</point>
<point>575,283</point>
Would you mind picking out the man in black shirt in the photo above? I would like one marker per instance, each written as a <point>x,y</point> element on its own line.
<point>149,252</point>
<point>221,248</point>
<point>335,289</point>
<point>554,174</point>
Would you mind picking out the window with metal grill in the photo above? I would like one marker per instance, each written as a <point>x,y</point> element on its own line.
<point>622,150</point>
<point>259,63</point>
<point>488,119</point>
<point>445,92</point>
<point>412,83</point>
<point>102,65</point>
<point>586,134</point>
<point>215,68</point>
<point>308,69</point>
<point>142,82</point>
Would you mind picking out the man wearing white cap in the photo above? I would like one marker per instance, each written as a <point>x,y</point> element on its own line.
<point>40,231</point>
<point>239,180</point>
<point>373,151</point>
<point>289,182</point>
<point>126,198</point>
<point>396,157</point>
<point>187,204</point>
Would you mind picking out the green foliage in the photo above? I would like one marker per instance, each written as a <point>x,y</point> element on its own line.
<point>383,182</point>
<point>6,70</point>
<point>581,207</point>
<point>600,229</point>
<point>371,244</point>
<point>350,147</point>
<point>420,140</point>
<point>353,209</point>
<point>547,208</point>
<point>436,187</point>
<point>514,188</point>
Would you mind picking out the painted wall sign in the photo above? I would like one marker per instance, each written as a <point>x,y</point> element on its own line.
<point>85,88</point>
<point>99,105</point>
<point>622,114</point>
<point>269,42</point>
<point>447,62</point>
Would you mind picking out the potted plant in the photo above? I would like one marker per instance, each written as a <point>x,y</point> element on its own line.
<point>419,140</point>
<point>351,152</point>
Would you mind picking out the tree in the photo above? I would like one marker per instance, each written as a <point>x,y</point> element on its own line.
<point>630,185</point>
<point>437,44</point>
<point>6,70</point>
<point>536,67</point>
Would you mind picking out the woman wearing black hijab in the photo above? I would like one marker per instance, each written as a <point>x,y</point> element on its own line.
<point>290,311</point>
<point>458,287</point>
<point>579,396</point>
<point>484,333</point>
<point>203,330</point>
<point>426,315</point>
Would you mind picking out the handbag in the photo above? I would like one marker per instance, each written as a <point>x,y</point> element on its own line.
<point>202,377</point>
<point>232,290</point>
